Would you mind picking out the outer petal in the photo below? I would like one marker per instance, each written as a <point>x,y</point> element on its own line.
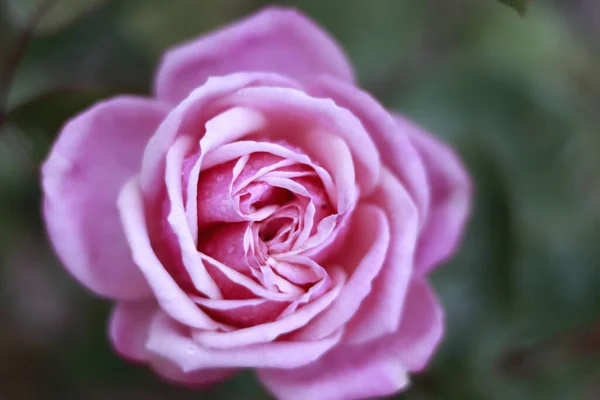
<point>129,329</point>
<point>178,223</point>
<point>168,293</point>
<point>270,331</point>
<point>372,369</point>
<point>95,154</point>
<point>129,326</point>
<point>344,373</point>
<point>274,40</point>
<point>366,245</point>
<point>171,341</point>
<point>195,379</point>
<point>450,202</point>
<point>421,327</point>
<point>380,312</point>
<point>189,118</point>
<point>396,151</point>
<point>293,116</point>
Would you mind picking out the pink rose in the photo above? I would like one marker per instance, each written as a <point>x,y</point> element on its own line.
<point>260,211</point>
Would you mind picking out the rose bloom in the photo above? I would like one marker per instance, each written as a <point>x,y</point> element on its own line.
<point>260,211</point>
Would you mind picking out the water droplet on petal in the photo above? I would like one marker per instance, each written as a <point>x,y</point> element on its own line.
<point>190,351</point>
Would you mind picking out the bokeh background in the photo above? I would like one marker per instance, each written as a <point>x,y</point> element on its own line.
<point>518,97</point>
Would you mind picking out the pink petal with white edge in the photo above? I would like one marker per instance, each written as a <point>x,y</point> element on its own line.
<point>276,40</point>
<point>232,151</point>
<point>226,244</point>
<point>372,369</point>
<point>129,326</point>
<point>194,380</point>
<point>367,245</point>
<point>295,116</point>
<point>178,222</point>
<point>226,127</point>
<point>421,327</point>
<point>189,118</point>
<point>170,296</point>
<point>450,202</point>
<point>243,313</point>
<point>270,331</point>
<point>380,312</point>
<point>396,150</point>
<point>96,152</point>
<point>212,197</point>
<point>172,342</point>
<point>235,282</point>
<point>334,155</point>
<point>343,373</point>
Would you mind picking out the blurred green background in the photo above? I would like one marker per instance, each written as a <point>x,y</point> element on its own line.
<point>518,97</point>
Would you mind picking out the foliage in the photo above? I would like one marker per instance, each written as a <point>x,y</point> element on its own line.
<point>519,5</point>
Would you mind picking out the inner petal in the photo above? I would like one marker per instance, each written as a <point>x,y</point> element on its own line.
<point>272,228</point>
<point>232,191</point>
<point>259,195</point>
<point>242,313</point>
<point>225,242</point>
<point>259,206</point>
<point>214,200</point>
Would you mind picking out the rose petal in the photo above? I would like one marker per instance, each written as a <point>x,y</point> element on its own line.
<point>172,342</point>
<point>450,197</point>
<point>189,117</point>
<point>367,245</point>
<point>128,328</point>
<point>380,312</point>
<point>297,273</point>
<point>214,202</point>
<point>294,116</point>
<point>226,127</point>
<point>421,327</point>
<point>178,223</point>
<point>396,151</point>
<point>233,282</point>
<point>335,243</point>
<point>372,369</point>
<point>343,373</point>
<point>335,157</point>
<point>261,164</point>
<point>270,331</point>
<point>226,244</point>
<point>322,286</point>
<point>170,296</point>
<point>376,368</point>
<point>96,152</point>
<point>274,40</point>
<point>243,313</point>
<point>232,151</point>
<point>194,380</point>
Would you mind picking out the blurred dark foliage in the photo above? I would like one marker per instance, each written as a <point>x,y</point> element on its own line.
<point>520,6</point>
<point>519,98</point>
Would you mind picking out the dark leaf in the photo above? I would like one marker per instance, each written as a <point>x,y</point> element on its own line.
<point>93,53</point>
<point>519,5</point>
<point>54,14</point>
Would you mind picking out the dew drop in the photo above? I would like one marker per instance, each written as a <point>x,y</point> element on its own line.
<point>190,351</point>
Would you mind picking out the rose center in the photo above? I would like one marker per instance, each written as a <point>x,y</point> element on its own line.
<point>273,228</point>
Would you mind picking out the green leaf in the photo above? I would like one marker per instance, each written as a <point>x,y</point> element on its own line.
<point>94,53</point>
<point>49,16</point>
<point>519,5</point>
